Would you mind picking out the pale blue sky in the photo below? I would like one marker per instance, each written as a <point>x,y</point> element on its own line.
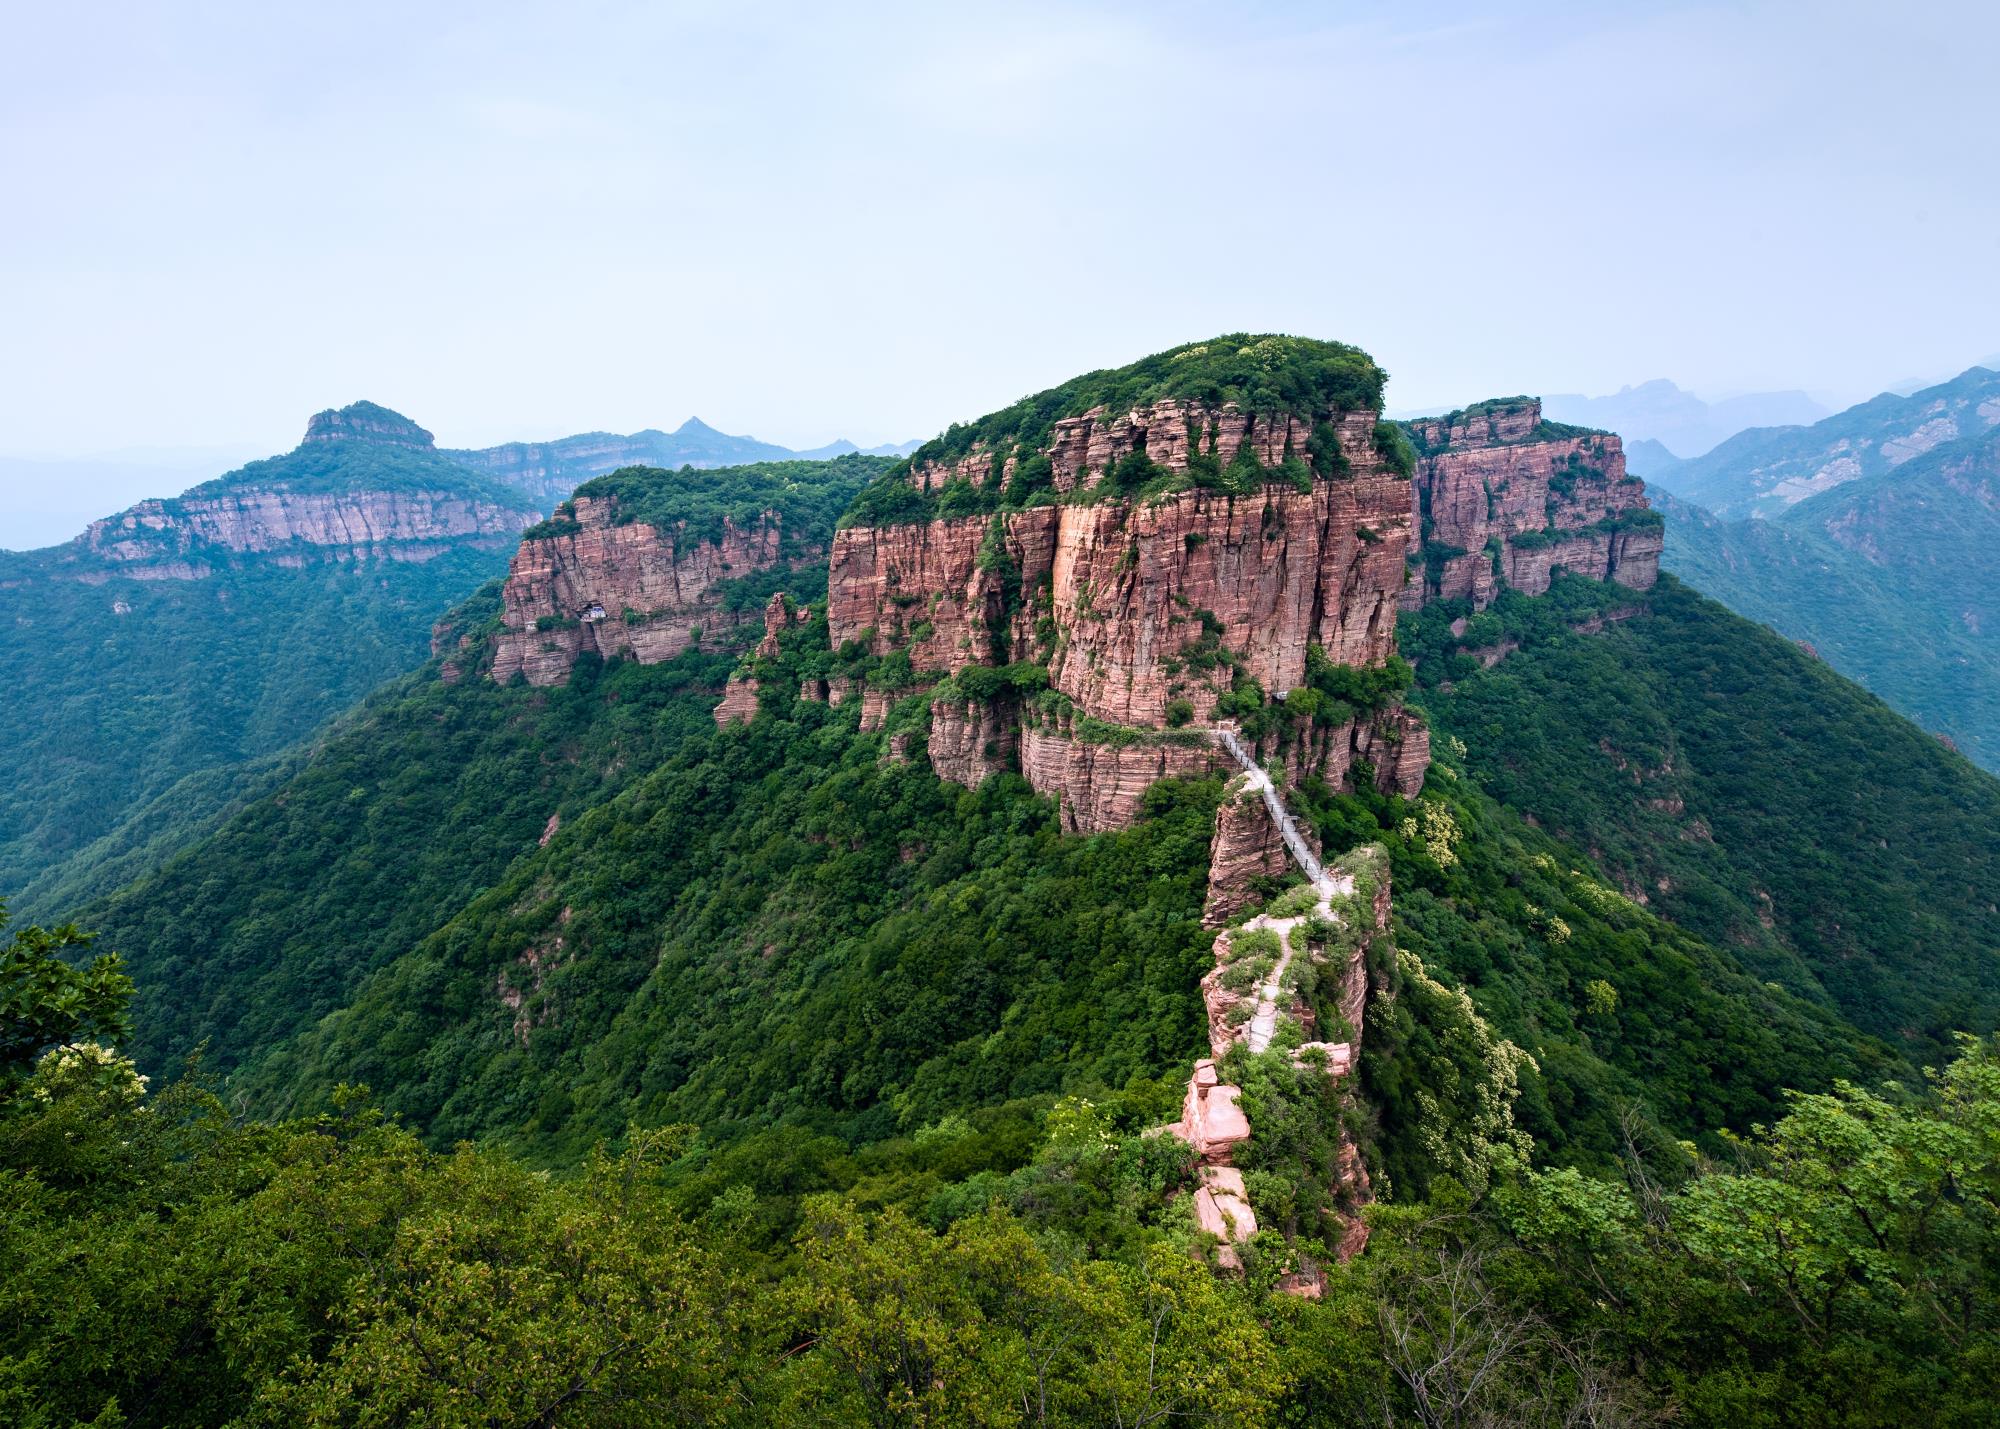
<point>868,220</point>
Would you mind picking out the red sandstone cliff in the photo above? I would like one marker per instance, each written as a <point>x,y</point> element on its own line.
<point>1502,499</point>
<point>1144,612</point>
<point>1130,590</point>
<point>615,589</point>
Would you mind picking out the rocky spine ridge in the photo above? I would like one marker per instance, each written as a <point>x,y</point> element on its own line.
<point>1251,998</point>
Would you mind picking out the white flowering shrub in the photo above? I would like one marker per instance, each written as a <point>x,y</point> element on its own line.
<point>79,1067</point>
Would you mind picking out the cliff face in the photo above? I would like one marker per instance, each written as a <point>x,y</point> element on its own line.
<point>1100,786</point>
<point>168,538</point>
<point>1502,498</point>
<point>1145,612</point>
<point>971,739</point>
<point>1246,848</point>
<point>1121,597</point>
<point>629,590</point>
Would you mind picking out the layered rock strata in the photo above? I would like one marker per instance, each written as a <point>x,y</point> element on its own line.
<point>1246,849</point>
<point>168,539</point>
<point>1503,499</point>
<point>1100,786</point>
<point>623,589</point>
<point>1123,598</point>
<point>971,738</point>
<point>1146,614</point>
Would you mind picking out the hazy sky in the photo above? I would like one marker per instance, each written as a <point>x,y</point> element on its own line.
<point>868,220</point>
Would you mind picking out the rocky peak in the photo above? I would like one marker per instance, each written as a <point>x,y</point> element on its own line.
<point>1497,422</point>
<point>1505,500</point>
<point>366,422</point>
<point>1220,511</point>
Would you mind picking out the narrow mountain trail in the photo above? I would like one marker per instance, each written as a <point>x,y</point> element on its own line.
<point>1264,1021</point>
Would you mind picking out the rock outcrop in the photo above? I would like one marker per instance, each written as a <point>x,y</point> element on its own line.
<point>972,738</point>
<point>160,537</point>
<point>1147,611</point>
<point>1504,499</point>
<point>1245,849</point>
<point>623,589</point>
<point>739,702</point>
<point>367,422</point>
<point>1099,785</point>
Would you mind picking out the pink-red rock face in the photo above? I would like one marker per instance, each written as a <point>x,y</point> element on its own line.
<point>1099,787</point>
<point>154,537</point>
<point>971,739</point>
<point>1144,611</point>
<point>557,584</point>
<point>739,702</point>
<point>1489,478</point>
<point>1278,572</point>
<point>1396,741</point>
<point>919,587</point>
<point>1246,847</point>
<point>1118,595</point>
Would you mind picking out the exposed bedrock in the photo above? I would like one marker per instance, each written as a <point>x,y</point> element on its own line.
<point>1504,499</point>
<point>631,589</point>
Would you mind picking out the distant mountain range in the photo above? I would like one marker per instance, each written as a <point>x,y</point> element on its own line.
<point>1865,536</point>
<point>549,471</point>
<point>1767,470</point>
<point>158,657</point>
<point>50,498</point>
<point>1661,413</point>
<point>228,622</point>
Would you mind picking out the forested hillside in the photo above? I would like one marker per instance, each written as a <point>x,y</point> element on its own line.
<point>1884,576</point>
<point>1866,537</point>
<point>171,646</point>
<point>872,1059</point>
<point>1743,789</point>
<point>643,1012</point>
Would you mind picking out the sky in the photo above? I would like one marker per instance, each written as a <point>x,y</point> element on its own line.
<point>802,222</point>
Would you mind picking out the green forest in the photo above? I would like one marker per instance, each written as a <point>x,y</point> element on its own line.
<point>1744,790</point>
<point>145,709</point>
<point>539,1056</point>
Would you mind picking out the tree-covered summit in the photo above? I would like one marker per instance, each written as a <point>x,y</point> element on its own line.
<point>366,421</point>
<point>1257,372</point>
<point>808,496</point>
<point>356,468</point>
<point>1260,372</point>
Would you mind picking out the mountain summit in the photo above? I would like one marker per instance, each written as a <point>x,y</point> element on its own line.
<point>366,422</point>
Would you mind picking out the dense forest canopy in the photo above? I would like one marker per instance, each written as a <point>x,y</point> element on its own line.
<point>808,497</point>
<point>1743,789</point>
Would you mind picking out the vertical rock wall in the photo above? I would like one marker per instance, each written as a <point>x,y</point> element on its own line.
<point>630,590</point>
<point>1503,498</point>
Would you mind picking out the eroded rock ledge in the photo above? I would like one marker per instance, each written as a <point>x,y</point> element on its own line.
<point>629,589</point>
